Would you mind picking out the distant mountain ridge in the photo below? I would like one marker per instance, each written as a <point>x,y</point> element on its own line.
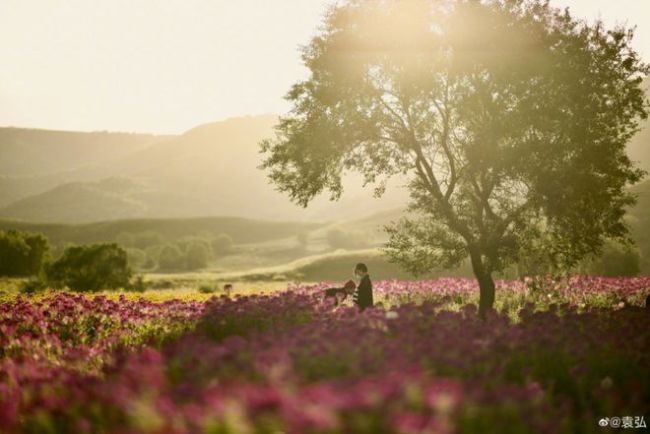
<point>33,161</point>
<point>80,201</point>
<point>27,151</point>
<point>210,170</point>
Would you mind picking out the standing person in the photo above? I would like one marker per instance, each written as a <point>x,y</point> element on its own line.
<point>362,297</point>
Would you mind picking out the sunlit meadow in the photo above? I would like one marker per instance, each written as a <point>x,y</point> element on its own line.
<point>186,185</point>
<point>554,358</point>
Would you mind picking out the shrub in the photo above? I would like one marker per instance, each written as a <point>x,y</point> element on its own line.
<point>32,286</point>
<point>137,285</point>
<point>206,289</point>
<point>91,268</point>
<point>22,253</point>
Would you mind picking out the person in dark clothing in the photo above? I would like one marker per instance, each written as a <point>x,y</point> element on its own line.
<point>362,297</point>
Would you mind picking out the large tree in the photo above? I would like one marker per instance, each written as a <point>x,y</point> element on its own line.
<point>508,117</point>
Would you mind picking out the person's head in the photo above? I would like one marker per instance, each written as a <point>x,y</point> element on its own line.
<point>360,270</point>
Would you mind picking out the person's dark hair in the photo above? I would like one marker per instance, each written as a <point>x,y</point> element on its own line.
<point>361,267</point>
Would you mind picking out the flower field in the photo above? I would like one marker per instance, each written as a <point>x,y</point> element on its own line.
<point>555,358</point>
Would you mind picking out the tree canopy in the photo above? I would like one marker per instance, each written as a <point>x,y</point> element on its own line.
<point>22,253</point>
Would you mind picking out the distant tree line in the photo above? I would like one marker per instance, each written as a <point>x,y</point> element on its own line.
<point>96,267</point>
<point>152,252</point>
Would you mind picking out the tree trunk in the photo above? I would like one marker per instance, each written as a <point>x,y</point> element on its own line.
<point>485,283</point>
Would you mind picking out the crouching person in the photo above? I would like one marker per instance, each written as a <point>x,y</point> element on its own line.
<point>343,292</point>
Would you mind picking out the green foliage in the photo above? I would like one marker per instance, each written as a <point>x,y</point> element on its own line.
<point>616,260</point>
<point>145,239</point>
<point>537,259</point>
<point>137,285</point>
<point>222,244</point>
<point>196,256</point>
<point>207,289</point>
<point>423,245</point>
<point>639,220</point>
<point>139,240</point>
<point>91,268</point>
<point>188,255</point>
<point>33,286</point>
<point>137,258</point>
<point>171,258</point>
<point>509,119</point>
<point>149,232</point>
<point>22,253</point>
<point>125,239</point>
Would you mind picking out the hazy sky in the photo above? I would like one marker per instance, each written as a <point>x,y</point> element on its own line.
<point>168,65</point>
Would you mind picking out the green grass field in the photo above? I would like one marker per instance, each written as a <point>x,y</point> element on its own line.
<point>186,287</point>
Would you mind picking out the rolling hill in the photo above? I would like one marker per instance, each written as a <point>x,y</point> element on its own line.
<point>241,230</point>
<point>80,201</point>
<point>27,152</point>
<point>34,161</point>
<point>209,170</point>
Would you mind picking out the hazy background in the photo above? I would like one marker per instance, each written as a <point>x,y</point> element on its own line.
<point>201,82</point>
<point>166,66</point>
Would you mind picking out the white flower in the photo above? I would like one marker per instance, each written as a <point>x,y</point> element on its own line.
<point>391,314</point>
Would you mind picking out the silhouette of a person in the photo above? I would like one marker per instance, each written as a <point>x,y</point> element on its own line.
<point>362,297</point>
